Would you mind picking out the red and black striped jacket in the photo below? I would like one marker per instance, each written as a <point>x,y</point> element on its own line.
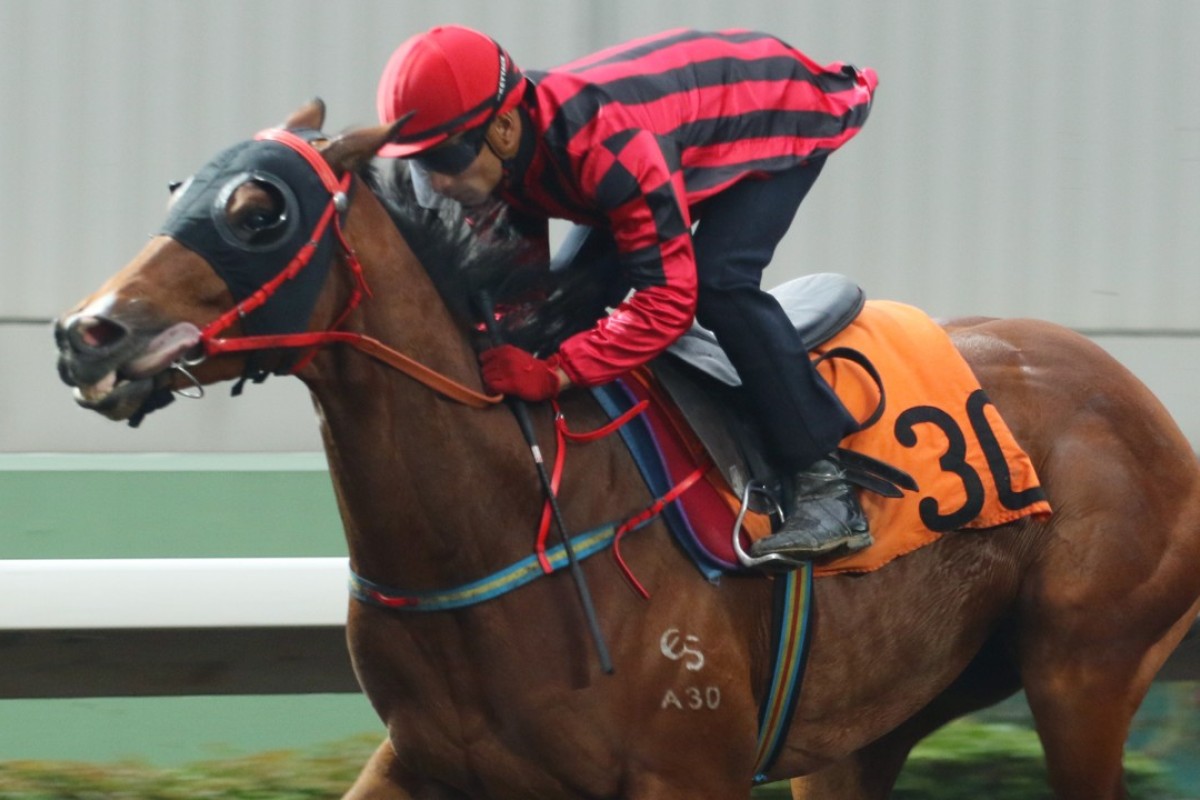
<point>632,137</point>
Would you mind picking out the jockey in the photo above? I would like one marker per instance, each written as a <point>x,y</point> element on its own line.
<point>685,156</point>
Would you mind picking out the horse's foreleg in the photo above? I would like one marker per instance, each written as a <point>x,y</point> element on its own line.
<point>862,776</point>
<point>382,779</point>
<point>871,773</point>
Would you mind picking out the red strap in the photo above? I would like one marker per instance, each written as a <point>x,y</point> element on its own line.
<point>647,514</point>
<point>264,292</point>
<point>601,432</point>
<point>440,383</point>
<point>560,458</point>
<point>562,435</point>
<point>310,154</point>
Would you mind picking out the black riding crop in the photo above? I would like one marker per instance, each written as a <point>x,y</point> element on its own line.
<point>521,412</point>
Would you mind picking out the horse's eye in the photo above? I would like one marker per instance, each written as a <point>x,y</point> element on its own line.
<point>257,213</point>
<point>260,221</point>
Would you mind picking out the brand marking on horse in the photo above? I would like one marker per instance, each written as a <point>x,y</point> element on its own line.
<point>673,648</point>
<point>695,698</point>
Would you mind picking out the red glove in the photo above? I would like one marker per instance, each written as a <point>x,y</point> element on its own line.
<point>511,370</point>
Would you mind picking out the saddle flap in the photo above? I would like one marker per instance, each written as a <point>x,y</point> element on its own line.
<point>717,419</point>
<point>819,306</point>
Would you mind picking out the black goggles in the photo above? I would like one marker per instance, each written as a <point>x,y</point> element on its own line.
<point>453,157</point>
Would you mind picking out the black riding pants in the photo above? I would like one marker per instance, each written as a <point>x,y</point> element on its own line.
<point>735,238</point>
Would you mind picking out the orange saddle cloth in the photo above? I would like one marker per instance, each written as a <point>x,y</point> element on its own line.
<point>936,424</point>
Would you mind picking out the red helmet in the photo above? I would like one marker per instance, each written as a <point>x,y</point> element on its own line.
<point>453,79</point>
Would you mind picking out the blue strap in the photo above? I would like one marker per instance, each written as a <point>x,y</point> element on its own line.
<point>614,398</point>
<point>515,576</point>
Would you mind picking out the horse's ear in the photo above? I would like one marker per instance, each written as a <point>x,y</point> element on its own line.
<point>353,149</point>
<point>311,115</point>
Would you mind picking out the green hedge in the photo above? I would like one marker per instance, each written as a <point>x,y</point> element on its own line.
<point>964,761</point>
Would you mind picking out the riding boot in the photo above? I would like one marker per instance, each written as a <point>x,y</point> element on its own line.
<point>826,518</point>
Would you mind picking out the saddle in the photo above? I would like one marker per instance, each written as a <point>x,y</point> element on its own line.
<point>698,376</point>
<point>940,457</point>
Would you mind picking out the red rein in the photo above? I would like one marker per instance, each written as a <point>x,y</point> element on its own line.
<point>564,435</point>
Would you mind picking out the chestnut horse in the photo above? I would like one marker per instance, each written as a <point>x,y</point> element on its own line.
<point>505,699</point>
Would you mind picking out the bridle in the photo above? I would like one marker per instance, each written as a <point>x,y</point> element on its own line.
<point>214,345</point>
<point>338,203</point>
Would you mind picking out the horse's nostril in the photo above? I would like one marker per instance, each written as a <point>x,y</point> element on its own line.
<point>95,333</point>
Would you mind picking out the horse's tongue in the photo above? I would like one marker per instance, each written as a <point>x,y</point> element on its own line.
<point>164,350</point>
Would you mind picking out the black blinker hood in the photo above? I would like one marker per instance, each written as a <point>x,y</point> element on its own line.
<point>197,221</point>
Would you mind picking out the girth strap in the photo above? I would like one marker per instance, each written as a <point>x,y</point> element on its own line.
<point>789,653</point>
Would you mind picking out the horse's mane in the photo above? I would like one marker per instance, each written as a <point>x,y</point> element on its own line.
<point>539,307</point>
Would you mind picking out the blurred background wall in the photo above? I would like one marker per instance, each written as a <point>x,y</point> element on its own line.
<point>1023,158</point>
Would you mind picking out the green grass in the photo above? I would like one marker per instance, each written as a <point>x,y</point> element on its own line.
<point>281,775</point>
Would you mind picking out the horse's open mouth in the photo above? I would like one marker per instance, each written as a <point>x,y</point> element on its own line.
<point>115,398</point>
<point>121,391</point>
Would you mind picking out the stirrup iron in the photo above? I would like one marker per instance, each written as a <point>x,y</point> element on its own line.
<point>770,560</point>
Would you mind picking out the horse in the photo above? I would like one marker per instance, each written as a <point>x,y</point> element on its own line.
<point>435,486</point>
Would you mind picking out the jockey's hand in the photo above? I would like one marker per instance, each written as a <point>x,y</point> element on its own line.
<point>511,370</point>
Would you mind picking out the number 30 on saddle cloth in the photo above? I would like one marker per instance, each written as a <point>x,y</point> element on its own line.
<point>937,425</point>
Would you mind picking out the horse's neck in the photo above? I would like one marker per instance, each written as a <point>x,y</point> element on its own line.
<point>419,479</point>
<point>410,479</point>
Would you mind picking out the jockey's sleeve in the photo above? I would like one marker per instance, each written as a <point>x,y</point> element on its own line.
<point>640,188</point>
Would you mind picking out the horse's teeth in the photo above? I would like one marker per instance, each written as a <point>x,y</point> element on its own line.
<point>98,390</point>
